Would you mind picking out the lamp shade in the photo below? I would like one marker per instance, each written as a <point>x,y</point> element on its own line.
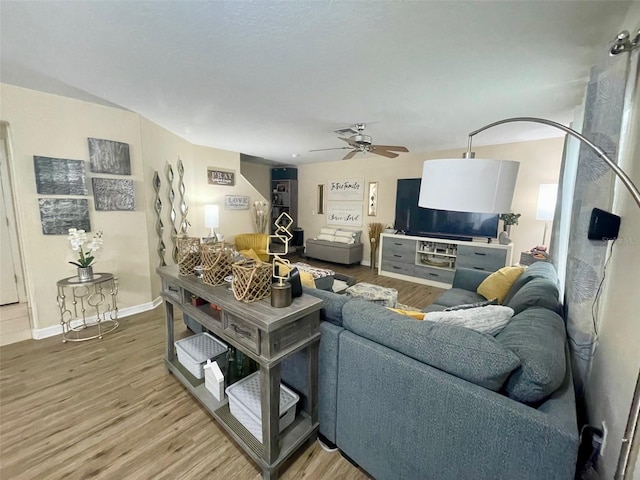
<point>211,216</point>
<point>468,184</point>
<point>547,201</point>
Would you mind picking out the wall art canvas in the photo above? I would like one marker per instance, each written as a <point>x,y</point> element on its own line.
<point>58,215</point>
<point>107,156</point>
<point>59,176</point>
<point>113,194</point>
<point>346,189</point>
<point>344,214</point>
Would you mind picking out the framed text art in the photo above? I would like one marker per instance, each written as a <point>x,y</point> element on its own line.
<point>344,214</point>
<point>216,176</point>
<point>236,202</point>
<point>346,189</point>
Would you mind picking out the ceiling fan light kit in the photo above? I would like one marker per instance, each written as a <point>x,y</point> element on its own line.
<point>361,143</point>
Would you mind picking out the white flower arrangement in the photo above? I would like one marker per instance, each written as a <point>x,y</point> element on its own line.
<point>78,239</point>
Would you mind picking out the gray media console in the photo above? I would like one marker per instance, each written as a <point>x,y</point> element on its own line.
<point>433,261</point>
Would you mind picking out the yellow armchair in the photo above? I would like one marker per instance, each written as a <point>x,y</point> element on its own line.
<point>256,241</point>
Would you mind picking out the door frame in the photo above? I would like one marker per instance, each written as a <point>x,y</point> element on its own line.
<point>10,207</point>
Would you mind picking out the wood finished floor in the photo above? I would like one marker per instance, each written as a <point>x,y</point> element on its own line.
<point>108,409</point>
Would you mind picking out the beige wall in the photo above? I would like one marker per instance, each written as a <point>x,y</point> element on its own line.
<point>615,367</point>
<point>539,163</point>
<point>259,176</point>
<point>50,125</point>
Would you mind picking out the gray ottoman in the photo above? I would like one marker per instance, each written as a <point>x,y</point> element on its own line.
<point>387,297</point>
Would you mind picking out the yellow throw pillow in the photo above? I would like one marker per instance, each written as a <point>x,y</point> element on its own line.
<point>498,284</point>
<point>408,313</point>
<point>250,254</point>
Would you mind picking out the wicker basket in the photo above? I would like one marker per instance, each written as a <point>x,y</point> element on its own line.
<point>251,281</point>
<point>216,263</point>
<point>188,254</point>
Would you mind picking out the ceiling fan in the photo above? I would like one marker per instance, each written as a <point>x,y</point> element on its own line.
<point>359,142</point>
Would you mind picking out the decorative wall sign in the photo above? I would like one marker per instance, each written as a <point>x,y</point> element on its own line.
<point>221,177</point>
<point>58,176</point>
<point>107,156</point>
<point>58,215</point>
<point>236,202</point>
<point>373,199</point>
<point>344,214</point>
<point>113,194</point>
<point>346,189</point>
<point>321,199</point>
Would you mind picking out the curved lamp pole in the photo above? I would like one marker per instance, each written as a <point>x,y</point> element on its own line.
<point>634,413</point>
<point>624,178</point>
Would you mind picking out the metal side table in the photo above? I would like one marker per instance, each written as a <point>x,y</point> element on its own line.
<point>86,311</point>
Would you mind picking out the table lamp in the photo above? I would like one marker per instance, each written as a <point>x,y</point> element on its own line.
<point>211,219</point>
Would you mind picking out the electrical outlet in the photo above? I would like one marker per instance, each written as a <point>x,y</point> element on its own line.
<point>604,438</point>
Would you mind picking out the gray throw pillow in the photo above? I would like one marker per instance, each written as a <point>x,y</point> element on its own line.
<point>465,353</point>
<point>466,306</point>
<point>490,319</point>
<point>537,336</point>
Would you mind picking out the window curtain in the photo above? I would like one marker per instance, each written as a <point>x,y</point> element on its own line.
<point>604,114</point>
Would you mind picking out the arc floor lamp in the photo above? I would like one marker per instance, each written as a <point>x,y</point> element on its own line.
<point>496,197</point>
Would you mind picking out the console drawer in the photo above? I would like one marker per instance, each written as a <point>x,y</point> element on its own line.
<point>398,267</point>
<point>242,331</point>
<point>478,258</point>
<point>394,255</point>
<point>435,274</point>
<point>398,245</point>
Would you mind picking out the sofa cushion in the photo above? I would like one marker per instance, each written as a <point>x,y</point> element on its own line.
<point>490,319</point>
<point>537,336</point>
<point>538,292</point>
<point>331,306</point>
<point>498,284</point>
<point>458,296</point>
<point>537,270</point>
<point>473,356</point>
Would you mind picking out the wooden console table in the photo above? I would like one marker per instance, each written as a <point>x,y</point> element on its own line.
<point>267,335</point>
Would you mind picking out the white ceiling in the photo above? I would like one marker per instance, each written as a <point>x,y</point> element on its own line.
<point>270,79</point>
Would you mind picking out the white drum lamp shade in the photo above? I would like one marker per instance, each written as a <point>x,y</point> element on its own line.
<point>211,218</point>
<point>468,185</point>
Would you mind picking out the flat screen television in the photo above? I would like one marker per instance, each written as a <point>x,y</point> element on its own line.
<point>427,222</point>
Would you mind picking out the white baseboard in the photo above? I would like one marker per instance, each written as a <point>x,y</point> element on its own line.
<point>52,331</point>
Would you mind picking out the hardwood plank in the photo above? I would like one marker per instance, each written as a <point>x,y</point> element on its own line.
<point>108,409</point>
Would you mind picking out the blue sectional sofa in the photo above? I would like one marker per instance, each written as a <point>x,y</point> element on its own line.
<point>417,400</point>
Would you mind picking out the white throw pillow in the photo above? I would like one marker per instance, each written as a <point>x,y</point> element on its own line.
<point>344,236</point>
<point>343,240</point>
<point>328,231</point>
<point>490,319</point>
<point>327,237</point>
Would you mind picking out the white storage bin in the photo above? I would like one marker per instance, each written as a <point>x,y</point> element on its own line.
<point>194,351</point>
<point>244,403</point>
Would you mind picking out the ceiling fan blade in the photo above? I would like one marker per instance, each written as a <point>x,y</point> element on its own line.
<point>348,140</point>
<point>384,153</point>
<point>390,147</point>
<point>350,155</point>
<point>323,149</point>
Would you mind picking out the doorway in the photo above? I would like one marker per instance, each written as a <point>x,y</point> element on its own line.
<point>15,324</point>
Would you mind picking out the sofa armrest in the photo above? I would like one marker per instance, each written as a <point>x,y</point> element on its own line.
<point>469,279</point>
<point>399,418</point>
